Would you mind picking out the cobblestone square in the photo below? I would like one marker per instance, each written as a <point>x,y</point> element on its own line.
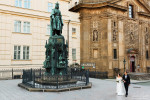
<point>101,90</point>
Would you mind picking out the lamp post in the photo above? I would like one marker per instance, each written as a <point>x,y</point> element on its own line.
<point>124,61</point>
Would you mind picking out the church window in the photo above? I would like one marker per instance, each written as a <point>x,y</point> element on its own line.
<point>147,56</point>
<point>131,11</point>
<point>115,53</point>
<point>95,53</point>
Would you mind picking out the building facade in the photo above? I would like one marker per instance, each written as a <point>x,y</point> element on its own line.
<point>114,34</point>
<point>25,27</point>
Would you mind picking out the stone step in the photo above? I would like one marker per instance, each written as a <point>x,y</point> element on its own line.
<point>140,76</point>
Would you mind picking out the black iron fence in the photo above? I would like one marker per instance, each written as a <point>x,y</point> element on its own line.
<point>39,79</point>
<point>18,73</point>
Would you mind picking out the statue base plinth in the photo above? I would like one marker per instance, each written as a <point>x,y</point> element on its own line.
<point>45,82</point>
<point>56,62</point>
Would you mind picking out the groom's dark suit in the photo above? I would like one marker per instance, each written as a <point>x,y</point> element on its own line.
<point>126,83</point>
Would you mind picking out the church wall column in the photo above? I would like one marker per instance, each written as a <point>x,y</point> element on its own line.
<point>121,44</point>
<point>109,32</point>
<point>84,43</point>
<point>144,49</point>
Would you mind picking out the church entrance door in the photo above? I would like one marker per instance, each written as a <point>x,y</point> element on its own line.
<point>132,64</point>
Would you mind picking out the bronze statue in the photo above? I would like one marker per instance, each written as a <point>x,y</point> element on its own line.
<point>56,21</point>
<point>56,61</point>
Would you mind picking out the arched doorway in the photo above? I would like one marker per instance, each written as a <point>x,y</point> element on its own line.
<point>132,64</point>
<point>133,59</point>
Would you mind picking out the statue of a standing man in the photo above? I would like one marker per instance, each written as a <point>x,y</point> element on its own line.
<point>56,21</point>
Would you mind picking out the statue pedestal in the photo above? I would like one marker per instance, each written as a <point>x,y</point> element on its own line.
<point>56,56</point>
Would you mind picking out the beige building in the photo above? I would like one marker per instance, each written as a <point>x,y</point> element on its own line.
<point>113,31</point>
<point>24,29</point>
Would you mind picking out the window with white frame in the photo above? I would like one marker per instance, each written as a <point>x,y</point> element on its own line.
<point>17,26</point>
<point>50,7</point>
<point>27,4</point>
<point>17,52</point>
<point>26,27</point>
<point>48,29</point>
<point>18,3</point>
<point>74,32</point>
<point>25,52</point>
<point>73,54</point>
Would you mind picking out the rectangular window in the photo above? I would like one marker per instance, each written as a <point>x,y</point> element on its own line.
<point>115,53</point>
<point>25,52</point>
<point>17,52</point>
<point>73,54</point>
<point>95,53</point>
<point>18,3</point>
<point>26,27</point>
<point>50,7</point>
<point>48,29</point>
<point>17,26</point>
<point>130,11</point>
<point>27,4</point>
<point>147,56</point>
<point>73,32</point>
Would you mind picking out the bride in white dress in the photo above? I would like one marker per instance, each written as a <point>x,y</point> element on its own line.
<point>120,85</point>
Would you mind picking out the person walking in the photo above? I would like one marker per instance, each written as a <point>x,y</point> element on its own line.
<point>126,80</point>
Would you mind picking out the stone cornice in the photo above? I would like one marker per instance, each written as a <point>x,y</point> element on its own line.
<point>144,4</point>
<point>99,5</point>
<point>114,1</point>
<point>12,10</point>
<point>144,14</point>
<point>33,16</point>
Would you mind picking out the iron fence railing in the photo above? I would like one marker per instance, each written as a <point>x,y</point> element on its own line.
<point>38,79</point>
<point>18,73</point>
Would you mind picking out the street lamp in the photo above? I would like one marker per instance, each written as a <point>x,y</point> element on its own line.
<point>124,61</point>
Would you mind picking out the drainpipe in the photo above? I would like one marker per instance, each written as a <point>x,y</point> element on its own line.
<point>68,35</point>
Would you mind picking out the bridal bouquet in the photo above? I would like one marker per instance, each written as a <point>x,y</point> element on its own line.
<point>117,81</point>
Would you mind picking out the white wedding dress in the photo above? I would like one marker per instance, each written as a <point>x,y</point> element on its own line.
<point>120,86</point>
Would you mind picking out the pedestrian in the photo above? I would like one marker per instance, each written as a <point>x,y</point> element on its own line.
<point>126,80</point>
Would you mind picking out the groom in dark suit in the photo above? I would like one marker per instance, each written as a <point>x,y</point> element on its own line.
<point>126,80</point>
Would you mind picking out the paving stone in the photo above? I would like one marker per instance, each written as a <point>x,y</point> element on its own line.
<point>101,90</point>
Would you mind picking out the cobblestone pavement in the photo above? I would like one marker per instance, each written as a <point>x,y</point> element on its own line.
<point>101,90</point>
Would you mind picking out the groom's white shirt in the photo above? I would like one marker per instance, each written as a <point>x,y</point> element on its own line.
<point>125,76</point>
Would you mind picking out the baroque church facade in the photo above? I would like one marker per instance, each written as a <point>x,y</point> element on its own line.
<point>114,34</point>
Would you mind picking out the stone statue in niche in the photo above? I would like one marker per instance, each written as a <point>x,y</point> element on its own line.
<point>131,36</point>
<point>114,35</point>
<point>95,35</point>
<point>146,39</point>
